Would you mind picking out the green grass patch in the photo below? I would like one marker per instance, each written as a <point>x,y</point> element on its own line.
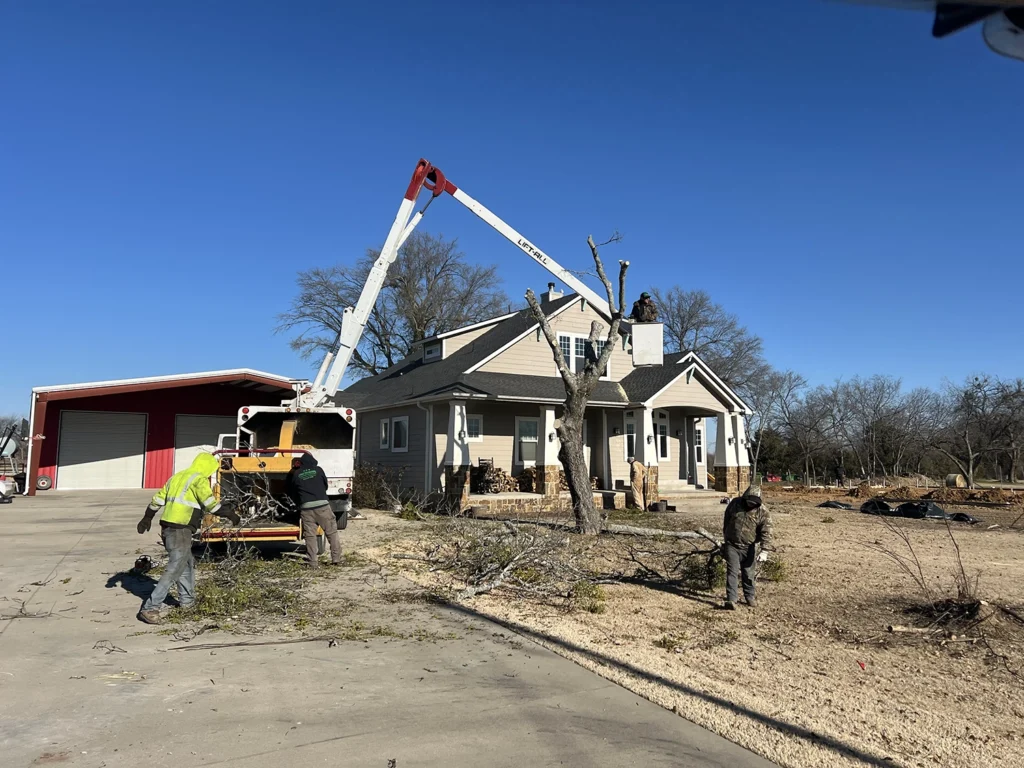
<point>588,597</point>
<point>828,519</point>
<point>774,569</point>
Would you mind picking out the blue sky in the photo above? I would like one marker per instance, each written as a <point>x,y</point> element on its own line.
<point>845,184</point>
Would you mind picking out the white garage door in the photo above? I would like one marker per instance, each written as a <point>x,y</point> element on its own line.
<point>193,434</point>
<point>101,450</point>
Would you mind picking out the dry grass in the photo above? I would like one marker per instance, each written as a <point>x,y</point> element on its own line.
<point>814,676</point>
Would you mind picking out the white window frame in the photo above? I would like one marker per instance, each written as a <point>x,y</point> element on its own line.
<point>662,421</point>
<point>519,459</point>
<point>571,361</point>
<point>628,422</point>
<point>384,434</point>
<point>479,438</point>
<point>698,443</point>
<point>396,420</point>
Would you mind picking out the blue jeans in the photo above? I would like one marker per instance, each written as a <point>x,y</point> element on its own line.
<point>180,570</point>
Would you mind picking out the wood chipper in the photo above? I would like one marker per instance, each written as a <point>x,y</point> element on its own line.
<point>255,461</point>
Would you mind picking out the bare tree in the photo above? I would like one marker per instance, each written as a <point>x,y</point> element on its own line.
<point>430,289</point>
<point>966,428</point>
<point>1010,410</point>
<point>695,323</point>
<point>765,394</point>
<point>805,417</point>
<point>578,389</point>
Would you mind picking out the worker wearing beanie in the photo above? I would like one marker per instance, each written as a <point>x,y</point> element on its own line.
<point>747,524</point>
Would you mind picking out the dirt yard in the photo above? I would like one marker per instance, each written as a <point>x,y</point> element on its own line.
<point>812,676</point>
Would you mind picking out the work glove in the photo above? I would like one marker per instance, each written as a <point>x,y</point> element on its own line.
<point>762,556</point>
<point>146,522</point>
<point>231,516</point>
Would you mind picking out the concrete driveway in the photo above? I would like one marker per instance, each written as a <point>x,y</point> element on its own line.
<point>487,698</point>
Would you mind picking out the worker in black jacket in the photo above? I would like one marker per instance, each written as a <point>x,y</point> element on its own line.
<point>306,485</point>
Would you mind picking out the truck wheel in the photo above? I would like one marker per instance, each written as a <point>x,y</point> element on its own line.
<point>43,483</point>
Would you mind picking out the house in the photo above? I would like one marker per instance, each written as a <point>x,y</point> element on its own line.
<point>491,391</point>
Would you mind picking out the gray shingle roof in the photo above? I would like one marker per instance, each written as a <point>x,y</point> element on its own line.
<point>411,379</point>
<point>644,383</point>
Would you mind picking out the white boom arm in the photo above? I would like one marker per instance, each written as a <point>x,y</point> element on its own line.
<point>426,176</point>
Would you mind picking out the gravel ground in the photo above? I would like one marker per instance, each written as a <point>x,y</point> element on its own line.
<point>812,677</point>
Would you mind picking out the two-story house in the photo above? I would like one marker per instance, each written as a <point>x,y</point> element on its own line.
<point>491,391</point>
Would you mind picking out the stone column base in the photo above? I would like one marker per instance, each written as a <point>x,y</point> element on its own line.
<point>456,485</point>
<point>732,480</point>
<point>549,479</point>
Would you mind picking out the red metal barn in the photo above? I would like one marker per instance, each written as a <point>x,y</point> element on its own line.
<point>136,433</point>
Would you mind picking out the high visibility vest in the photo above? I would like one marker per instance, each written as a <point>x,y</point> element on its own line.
<point>186,492</point>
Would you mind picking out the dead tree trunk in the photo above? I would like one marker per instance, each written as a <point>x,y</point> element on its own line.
<point>579,386</point>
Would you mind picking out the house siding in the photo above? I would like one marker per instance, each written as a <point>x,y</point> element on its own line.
<point>454,343</point>
<point>532,356</point>
<point>694,394</point>
<point>411,463</point>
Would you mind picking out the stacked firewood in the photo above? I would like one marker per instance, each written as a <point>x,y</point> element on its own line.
<point>491,479</point>
<point>563,482</point>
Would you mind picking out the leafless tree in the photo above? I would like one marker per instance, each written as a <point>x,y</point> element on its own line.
<point>430,289</point>
<point>764,394</point>
<point>578,389</point>
<point>805,417</point>
<point>1010,411</point>
<point>695,323</point>
<point>966,429</point>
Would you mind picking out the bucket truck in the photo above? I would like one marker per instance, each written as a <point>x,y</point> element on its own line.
<point>268,438</point>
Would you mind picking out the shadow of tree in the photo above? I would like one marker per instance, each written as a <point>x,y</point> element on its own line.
<point>790,729</point>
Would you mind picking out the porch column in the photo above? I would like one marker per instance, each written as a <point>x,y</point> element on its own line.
<point>742,454</point>
<point>548,466</point>
<point>456,456</point>
<point>726,461</point>
<point>647,452</point>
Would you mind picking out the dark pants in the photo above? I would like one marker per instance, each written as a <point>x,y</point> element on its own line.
<point>323,517</point>
<point>739,560</point>
<point>180,570</point>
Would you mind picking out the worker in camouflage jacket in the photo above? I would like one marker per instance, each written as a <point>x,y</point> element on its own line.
<point>747,524</point>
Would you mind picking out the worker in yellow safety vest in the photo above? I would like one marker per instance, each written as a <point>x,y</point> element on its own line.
<point>182,503</point>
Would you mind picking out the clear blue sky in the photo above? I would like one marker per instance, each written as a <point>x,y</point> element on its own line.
<point>845,184</point>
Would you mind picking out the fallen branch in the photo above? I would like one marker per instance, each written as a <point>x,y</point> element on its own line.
<point>243,644</point>
<point>913,630</point>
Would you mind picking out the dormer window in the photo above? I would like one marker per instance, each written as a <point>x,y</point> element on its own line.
<point>431,352</point>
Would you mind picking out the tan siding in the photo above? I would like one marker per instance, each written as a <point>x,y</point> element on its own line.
<point>695,395</point>
<point>455,343</point>
<point>499,432</point>
<point>440,441</point>
<point>532,355</point>
<point>410,463</point>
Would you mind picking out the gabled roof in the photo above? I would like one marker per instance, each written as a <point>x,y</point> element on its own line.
<point>245,377</point>
<point>643,384</point>
<point>413,379</point>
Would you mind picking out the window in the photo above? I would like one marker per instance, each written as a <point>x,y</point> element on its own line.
<point>574,351</point>
<point>630,439</point>
<point>474,428</point>
<point>526,441</point>
<point>400,434</point>
<point>385,434</point>
<point>432,352</point>
<point>698,443</point>
<point>661,424</point>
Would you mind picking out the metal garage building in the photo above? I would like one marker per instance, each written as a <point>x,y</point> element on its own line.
<point>136,433</point>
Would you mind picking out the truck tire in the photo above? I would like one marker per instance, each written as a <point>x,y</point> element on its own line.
<point>341,507</point>
<point>44,482</point>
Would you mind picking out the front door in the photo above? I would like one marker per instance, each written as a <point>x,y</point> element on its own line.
<point>527,437</point>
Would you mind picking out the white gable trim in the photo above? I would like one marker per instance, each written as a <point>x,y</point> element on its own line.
<point>473,327</point>
<point>693,362</point>
<point>522,336</point>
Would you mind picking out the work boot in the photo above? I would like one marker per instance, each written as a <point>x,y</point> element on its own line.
<point>750,601</point>
<point>151,617</point>
<point>729,606</point>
